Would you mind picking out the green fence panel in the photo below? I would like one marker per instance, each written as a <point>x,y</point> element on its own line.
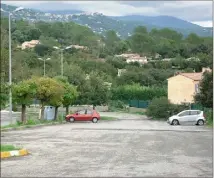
<point>133,103</point>
<point>143,104</point>
<point>196,106</point>
<point>139,103</point>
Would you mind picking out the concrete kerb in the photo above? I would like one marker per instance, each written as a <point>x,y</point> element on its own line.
<point>14,153</point>
<point>32,126</point>
<point>42,125</point>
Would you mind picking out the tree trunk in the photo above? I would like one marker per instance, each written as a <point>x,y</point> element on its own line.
<point>67,110</point>
<point>42,112</point>
<point>23,116</point>
<point>56,113</point>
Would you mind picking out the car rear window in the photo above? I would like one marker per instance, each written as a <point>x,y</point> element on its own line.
<point>195,112</point>
<point>89,112</point>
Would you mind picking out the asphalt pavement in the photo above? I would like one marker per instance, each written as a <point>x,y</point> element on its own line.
<point>132,146</point>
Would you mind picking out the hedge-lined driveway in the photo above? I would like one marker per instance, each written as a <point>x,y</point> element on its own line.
<point>130,147</point>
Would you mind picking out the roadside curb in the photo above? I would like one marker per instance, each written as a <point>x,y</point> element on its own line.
<point>41,125</point>
<point>7,154</point>
<point>31,126</point>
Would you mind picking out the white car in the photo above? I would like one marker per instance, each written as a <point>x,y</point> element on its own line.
<point>195,117</point>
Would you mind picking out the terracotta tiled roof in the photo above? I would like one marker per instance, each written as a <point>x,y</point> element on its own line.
<point>193,76</point>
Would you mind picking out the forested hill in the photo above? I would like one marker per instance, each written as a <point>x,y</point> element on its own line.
<point>100,23</point>
<point>90,69</point>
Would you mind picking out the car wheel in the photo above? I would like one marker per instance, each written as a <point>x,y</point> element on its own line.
<point>94,120</point>
<point>175,122</point>
<point>71,119</point>
<point>200,122</point>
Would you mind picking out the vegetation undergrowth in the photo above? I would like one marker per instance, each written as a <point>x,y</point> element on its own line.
<point>31,122</point>
<point>108,118</point>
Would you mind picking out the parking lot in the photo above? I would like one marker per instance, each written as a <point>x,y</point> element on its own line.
<point>132,146</point>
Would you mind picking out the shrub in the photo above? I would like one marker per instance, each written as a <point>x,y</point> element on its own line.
<point>116,105</point>
<point>209,116</point>
<point>161,108</point>
<point>32,122</point>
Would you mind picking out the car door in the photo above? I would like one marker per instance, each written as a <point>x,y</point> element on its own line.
<point>194,115</point>
<point>184,117</point>
<point>80,115</point>
<point>88,115</point>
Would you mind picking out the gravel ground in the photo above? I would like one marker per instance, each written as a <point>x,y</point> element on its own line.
<point>132,146</point>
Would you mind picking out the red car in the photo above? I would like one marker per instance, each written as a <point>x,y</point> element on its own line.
<point>84,115</point>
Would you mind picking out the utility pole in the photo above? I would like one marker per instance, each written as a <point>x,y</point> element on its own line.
<point>10,62</point>
<point>61,56</point>
<point>44,60</point>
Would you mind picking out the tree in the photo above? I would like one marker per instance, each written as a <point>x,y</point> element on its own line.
<point>49,91</point>
<point>4,95</point>
<point>141,42</point>
<point>141,29</point>
<point>70,93</point>
<point>23,93</point>
<point>192,38</point>
<point>205,96</point>
<point>42,50</point>
<point>93,91</point>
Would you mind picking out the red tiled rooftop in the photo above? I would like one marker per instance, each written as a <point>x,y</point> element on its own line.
<point>193,76</point>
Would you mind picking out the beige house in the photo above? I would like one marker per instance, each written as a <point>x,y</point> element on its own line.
<point>120,72</point>
<point>133,57</point>
<point>30,44</point>
<point>183,87</point>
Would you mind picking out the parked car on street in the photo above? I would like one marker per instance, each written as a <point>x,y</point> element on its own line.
<point>84,115</point>
<point>195,117</point>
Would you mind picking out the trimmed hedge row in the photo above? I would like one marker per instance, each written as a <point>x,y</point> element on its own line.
<point>135,91</point>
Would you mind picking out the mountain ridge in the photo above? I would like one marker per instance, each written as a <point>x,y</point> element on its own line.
<point>99,23</point>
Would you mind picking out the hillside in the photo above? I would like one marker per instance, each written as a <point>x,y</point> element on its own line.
<point>99,23</point>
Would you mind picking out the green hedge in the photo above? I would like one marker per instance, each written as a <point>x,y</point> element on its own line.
<point>137,92</point>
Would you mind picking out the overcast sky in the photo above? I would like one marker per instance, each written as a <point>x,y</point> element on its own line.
<point>198,12</point>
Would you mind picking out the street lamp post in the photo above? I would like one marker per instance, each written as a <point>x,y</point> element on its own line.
<point>10,60</point>
<point>62,62</point>
<point>44,60</point>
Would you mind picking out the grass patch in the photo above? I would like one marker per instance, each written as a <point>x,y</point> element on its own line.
<point>32,122</point>
<point>138,112</point>
<point>108,118</point>
<point>8,148</point>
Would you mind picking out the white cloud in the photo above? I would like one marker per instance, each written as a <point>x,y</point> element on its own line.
<point>110,8</point>
<point>204,23</point>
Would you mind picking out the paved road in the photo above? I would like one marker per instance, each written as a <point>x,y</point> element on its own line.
<point>133,147</point>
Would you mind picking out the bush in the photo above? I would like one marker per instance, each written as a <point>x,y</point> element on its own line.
<point>116,105</point>
<point>209,116</point>
<point>161,108</point>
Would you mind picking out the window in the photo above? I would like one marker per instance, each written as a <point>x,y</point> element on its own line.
<point>81,112</point>
<point>89,112</point>
<point>184,113</point>
<point>196,88</point>
<point>194,112</point>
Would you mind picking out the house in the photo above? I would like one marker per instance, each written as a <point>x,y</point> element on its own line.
<point>30,44</point>
<point>183,86</point>
<point>78,47</point>
<point>132,57</point>
<point>120,72</point>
